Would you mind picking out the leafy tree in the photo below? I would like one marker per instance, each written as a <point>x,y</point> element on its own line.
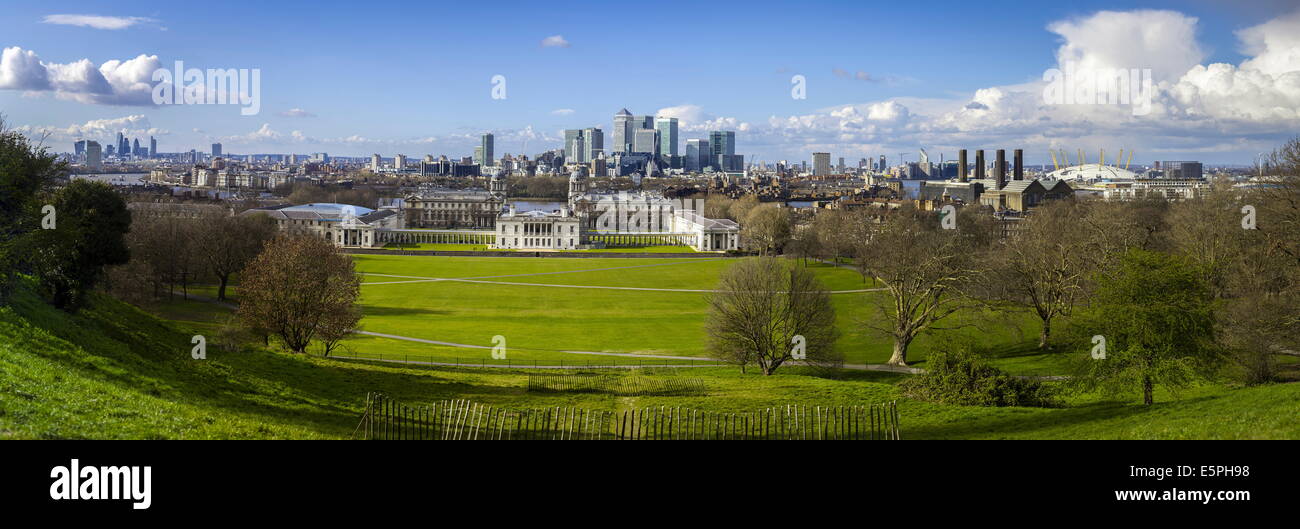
<point>91,223</point>
<point>297,288</point>
<point>1156,315</point>
<point>764,308</point>
<point>26,172</point>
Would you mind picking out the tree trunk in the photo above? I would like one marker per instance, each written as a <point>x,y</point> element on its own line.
<point>1148,391</point>
<point>1044,333</point>
<point>899,358</point>
<point>221,290</point>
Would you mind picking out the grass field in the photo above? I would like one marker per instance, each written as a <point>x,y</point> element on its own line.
<point>114,371</point>
<point>652,306</point>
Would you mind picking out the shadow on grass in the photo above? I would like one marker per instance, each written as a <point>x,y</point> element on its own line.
<point>1034,419</point>
<point>370,310</point>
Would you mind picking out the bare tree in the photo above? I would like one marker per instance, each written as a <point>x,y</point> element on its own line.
<point>297,286</point>
<point>925,268</point>
<point>766,311</point>
<point>1045,265</point>
<point>766,228</point>
<point>227,243</point>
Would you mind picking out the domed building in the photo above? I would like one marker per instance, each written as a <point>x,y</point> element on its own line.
<point>1091,173</point>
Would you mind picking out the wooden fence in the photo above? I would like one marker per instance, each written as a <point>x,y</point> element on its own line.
<point>385,418</point>
<point>630,385</point>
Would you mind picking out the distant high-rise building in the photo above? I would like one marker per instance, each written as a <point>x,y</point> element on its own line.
<point>216,150</point>
<point>722,147</point>
<point>94,158</point>
<point>374,163</point>
<point>697,155</point>
<point>487,143</point>
<point>399,162</point>
<point>119,146</point>
<point>593,144</point>
<point>622,141</point>
<point>821,163</point>
<point>645,141</point>
<point>574,146</point>
<point>135,147</point>
<point>882,165</point>
<point>1182,170</point>
<point>667,128</point>
<point>79,148</point>
<point>153,147</point>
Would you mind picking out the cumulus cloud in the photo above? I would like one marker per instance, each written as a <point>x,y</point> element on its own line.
<point>97,21</point>
<point>297,113</point>
<point>555,41</point>
<point>1195,107</point>
<point>97,129</point>
<point>116,82</point>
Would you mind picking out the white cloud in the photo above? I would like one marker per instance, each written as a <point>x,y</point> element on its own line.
<point>1195,108</point>
<point>555,41</point>
<point>297,113</point>
<point>562,112</point>
<point>115,82</point>
<point>96,21</point>
<point>97,129</point>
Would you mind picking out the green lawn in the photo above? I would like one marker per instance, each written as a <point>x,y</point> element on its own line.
<point>529,302</point>
<point>113,371</point>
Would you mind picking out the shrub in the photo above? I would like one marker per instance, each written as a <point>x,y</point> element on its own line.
<point>963,377</point>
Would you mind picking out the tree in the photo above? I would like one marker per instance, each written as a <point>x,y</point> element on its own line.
<point>297,287</point>
<point>91,223</point>
<point>1155,314</point>
<point>1045,265</point>
<point>766,228</point>
<point>228,243</point>
<point>764,309</point>
<point>926,270</point>
<point>26,173</point>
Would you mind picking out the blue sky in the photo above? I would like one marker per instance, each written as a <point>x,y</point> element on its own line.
<point>414,77</point>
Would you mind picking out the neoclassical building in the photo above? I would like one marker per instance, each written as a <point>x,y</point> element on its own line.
<point>481,217</point>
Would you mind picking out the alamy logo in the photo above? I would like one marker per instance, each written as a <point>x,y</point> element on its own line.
<point>215,86</point>
<point>102,483</point>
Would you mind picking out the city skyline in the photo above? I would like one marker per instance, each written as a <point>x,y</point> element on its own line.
<point>1223,79</point>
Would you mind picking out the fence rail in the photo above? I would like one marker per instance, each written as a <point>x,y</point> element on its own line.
<point>388,419</point>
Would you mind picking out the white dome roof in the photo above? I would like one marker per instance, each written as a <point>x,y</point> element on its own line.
<point>1092,172</point>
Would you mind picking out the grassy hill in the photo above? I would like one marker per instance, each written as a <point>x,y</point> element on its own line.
<point>114,371</point>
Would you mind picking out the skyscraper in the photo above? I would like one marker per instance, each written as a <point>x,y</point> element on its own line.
<point>645,141</point>
<point>216,150</point>
<point>153,147</point>
<point>79,148</point>
<point>487,143</point>
<point>374,163</point>
<point>135,147</point>
<point>697,154</point>
<point>722,151</point>
<point>667,128</point>
<point>821,163</point>
<point>94,158</point>
<point>120,145</point>
<point>399,162</point>
<point>622,131</point>
<point>593,144</point>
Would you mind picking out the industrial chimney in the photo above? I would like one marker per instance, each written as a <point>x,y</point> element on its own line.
<point>1000,168</point>
<point>961,166</point>
<point>979,164</point>
<point>1018,165</point>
